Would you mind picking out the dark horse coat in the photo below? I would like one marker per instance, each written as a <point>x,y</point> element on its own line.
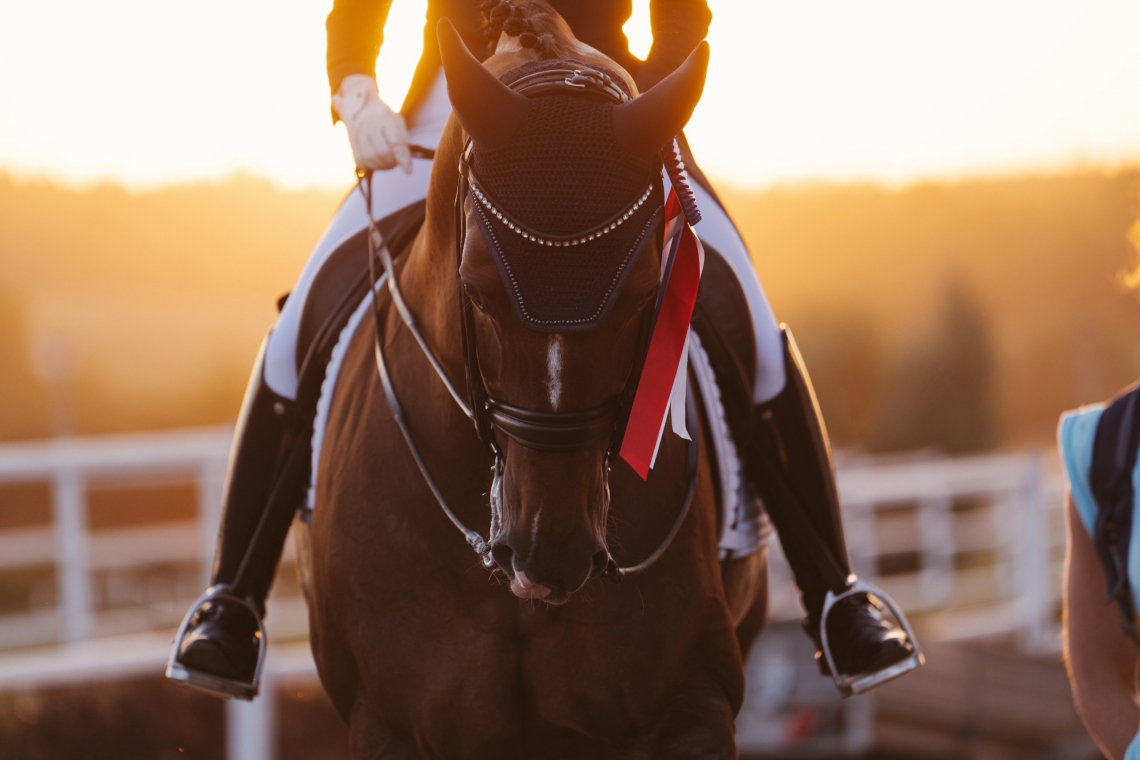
<point>425,653</point>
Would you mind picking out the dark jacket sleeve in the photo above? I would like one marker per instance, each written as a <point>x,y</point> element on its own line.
<point>678,27</point>
<point>355,32</point>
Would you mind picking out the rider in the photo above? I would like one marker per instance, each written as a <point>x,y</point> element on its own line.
<point>777,423</point>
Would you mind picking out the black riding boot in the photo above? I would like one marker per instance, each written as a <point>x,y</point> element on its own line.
<point>791,464</point>
<point>223,641</point>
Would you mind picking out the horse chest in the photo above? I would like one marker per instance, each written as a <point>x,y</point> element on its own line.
<point>416,639</point>
<point>590,667</point>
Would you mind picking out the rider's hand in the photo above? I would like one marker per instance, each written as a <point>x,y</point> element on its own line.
<point>377,134</point>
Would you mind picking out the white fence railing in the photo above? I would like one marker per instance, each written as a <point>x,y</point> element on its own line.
<point>75,553</point>
<point>969,546</point>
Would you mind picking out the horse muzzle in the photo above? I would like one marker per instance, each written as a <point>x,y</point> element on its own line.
<point>549,574</point>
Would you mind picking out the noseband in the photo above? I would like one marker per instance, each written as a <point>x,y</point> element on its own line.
<point>537,430</point>
<point>552,431</point>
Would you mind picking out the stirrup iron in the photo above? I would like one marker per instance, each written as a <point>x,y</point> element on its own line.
<point>218,686</point>
<point>859,683</point>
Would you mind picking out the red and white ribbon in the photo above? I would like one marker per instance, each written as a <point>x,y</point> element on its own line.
<point>663,380</point>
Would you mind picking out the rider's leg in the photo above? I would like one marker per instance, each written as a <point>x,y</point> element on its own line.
<point>788,433</point>
<point>791,460</point>
<point>220,640</point>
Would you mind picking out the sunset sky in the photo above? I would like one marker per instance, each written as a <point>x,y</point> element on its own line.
<point>149,92</point>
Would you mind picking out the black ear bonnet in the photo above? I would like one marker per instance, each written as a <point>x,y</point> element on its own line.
<point>565,210</point>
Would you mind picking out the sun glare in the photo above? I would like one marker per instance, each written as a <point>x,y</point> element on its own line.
<point>891,90</point>
<point>638,30</point>
<point>403,42</point>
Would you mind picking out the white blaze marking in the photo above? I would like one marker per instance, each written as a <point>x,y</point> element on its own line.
<point>534,530</point>
<point>554,370</point>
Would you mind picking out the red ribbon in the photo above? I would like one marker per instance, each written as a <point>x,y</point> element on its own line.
<point>667,344</point>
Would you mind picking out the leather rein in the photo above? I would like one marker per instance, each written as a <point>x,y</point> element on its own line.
<point>539,430</point>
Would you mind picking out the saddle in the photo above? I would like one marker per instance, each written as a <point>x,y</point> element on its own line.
<point>336,291</point>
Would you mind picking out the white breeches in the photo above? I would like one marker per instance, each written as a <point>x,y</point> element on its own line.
<point>394,190</point>
<point>718,231</point>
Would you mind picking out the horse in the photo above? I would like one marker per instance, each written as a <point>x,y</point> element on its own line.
<point>524,649</point>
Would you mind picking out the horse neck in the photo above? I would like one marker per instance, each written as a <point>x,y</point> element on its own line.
<point>429,278</point>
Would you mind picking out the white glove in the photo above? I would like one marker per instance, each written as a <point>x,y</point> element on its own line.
<point>377,134</point>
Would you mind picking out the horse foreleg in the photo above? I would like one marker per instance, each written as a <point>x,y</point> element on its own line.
<point>701,724</point>
<point>753,623</point>
<point>746,592</point>
<point>371,738</point>
<point>745,584</point>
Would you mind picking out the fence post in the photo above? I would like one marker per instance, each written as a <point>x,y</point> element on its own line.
<point>1030,550</point>
<point>251,727</point>
<point>862,548</point>
<point>211,487</point>
<point>936,547</point>
<point>72,574</point>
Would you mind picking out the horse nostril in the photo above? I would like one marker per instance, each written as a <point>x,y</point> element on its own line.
<point>503,555</point>
<point>599,562</point>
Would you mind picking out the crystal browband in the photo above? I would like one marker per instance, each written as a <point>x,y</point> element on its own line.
<point>558,241</point>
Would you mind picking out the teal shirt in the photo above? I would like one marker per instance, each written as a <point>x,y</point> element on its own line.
<point>1075,440</point>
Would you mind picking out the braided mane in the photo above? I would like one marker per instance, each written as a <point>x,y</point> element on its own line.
<point>537,26</point>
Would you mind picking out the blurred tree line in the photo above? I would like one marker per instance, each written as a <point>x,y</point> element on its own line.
<point>23,394</point>
<point>125,311</point>
<point>936,392</point>
<point>953,317</point>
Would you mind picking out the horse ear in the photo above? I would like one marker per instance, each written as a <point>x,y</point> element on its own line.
<point>488,110</point>
<point>646,124</point>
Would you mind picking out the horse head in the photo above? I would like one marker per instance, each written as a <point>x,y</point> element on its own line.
<point>566,191</point>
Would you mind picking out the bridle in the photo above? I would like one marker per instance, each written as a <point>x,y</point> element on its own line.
<point>538,430</point>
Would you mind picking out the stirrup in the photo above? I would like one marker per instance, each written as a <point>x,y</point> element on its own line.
<point>218,686</point>
<point>859,683</point>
